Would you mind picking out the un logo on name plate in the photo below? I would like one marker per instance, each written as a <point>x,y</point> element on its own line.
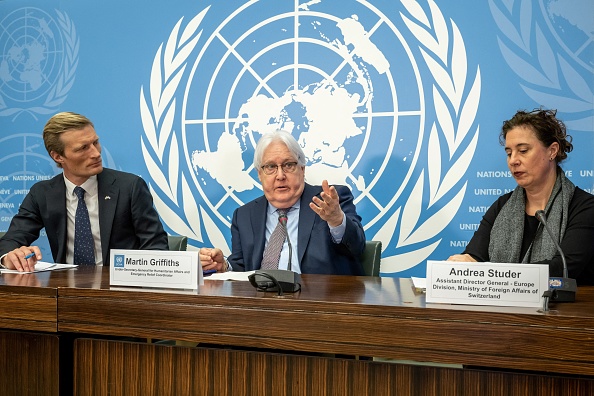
<point>342,78</point>
<point>119,260</point>
<point>38,59</point>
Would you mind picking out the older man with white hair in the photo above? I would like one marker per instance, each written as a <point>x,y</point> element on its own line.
<point>294,225</point>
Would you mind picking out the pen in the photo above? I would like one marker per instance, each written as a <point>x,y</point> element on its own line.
<point>27,257</point>
<point>208,272</point>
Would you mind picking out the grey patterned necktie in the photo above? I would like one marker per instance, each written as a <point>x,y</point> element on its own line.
<point>273,250</point>
<point>84,245</point>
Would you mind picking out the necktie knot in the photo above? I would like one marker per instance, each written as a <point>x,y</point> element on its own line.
<point>80,192</point>
<point>282,215</point>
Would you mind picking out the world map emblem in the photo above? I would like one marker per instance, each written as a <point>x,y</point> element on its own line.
<point>38,61</point>
<point>548,43</point>
<point>345,81</point>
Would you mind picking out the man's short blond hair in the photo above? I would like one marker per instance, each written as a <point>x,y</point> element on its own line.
<point>58,124</point>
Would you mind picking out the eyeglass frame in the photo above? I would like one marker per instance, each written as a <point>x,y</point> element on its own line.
<point>283,166</point>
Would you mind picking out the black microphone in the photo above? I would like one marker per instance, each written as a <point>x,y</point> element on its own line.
<point>282,219</point>
<point>563,288</point>
<point>277,280</point>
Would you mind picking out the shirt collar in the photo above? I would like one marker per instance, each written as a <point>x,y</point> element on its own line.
<point>90,186</point>
<point>272,209</point>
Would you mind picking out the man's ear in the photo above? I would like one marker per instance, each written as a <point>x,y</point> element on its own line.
<point>56,157</point>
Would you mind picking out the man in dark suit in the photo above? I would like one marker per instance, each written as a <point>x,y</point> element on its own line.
<point>119,205</point>
<point>322,223</point>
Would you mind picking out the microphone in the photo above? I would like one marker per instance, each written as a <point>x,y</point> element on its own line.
<point>564,288</point>
<point>277,280</point>
<point>282,219</point>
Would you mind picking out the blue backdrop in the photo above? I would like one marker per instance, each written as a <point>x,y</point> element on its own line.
<point>400,100</point>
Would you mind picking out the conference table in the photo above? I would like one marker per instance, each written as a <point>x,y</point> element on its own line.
<point>69,332</point>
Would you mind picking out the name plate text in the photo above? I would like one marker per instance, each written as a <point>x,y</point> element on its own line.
<point>502,284</point>
<point>153,268</point>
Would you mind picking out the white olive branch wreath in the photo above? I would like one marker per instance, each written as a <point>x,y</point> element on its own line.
<point>160,145</point>
<point>455,107</point>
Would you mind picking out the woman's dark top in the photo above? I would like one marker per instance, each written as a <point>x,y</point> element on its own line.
<point>577,243</point>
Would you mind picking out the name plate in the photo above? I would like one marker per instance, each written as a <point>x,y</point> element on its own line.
<point>503,284</point>
<point>153,268</point>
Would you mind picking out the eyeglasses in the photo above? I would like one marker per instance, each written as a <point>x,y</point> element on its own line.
<point>271,169</point>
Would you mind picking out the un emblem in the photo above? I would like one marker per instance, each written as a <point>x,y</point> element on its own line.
<point>119,261</point>
<point>548,44</point>
<point>38,60</point>
<point>344,80</point>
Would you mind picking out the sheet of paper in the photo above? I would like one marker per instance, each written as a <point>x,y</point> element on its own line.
<point>40,267</point>
<point>230,275</point>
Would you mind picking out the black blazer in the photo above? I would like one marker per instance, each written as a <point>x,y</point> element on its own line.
<point>127,218</point>
<point>317,252</point>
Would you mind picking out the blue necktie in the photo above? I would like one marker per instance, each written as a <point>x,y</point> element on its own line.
<point>84,245</point>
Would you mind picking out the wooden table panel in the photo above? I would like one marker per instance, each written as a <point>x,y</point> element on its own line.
<point>29,364</point>
<point>123,368</point>
<point>382,317</point>
<point>27,304</point>
<point>221,372</point>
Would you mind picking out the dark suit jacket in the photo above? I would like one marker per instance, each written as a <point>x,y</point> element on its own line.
<point>127,218</point>
<point>317,252</point>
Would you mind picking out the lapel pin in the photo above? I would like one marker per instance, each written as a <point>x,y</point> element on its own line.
<point>107,197</point>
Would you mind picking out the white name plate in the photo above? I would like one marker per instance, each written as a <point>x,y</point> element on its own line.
<point>503,284</point>
<point>153,268</point>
